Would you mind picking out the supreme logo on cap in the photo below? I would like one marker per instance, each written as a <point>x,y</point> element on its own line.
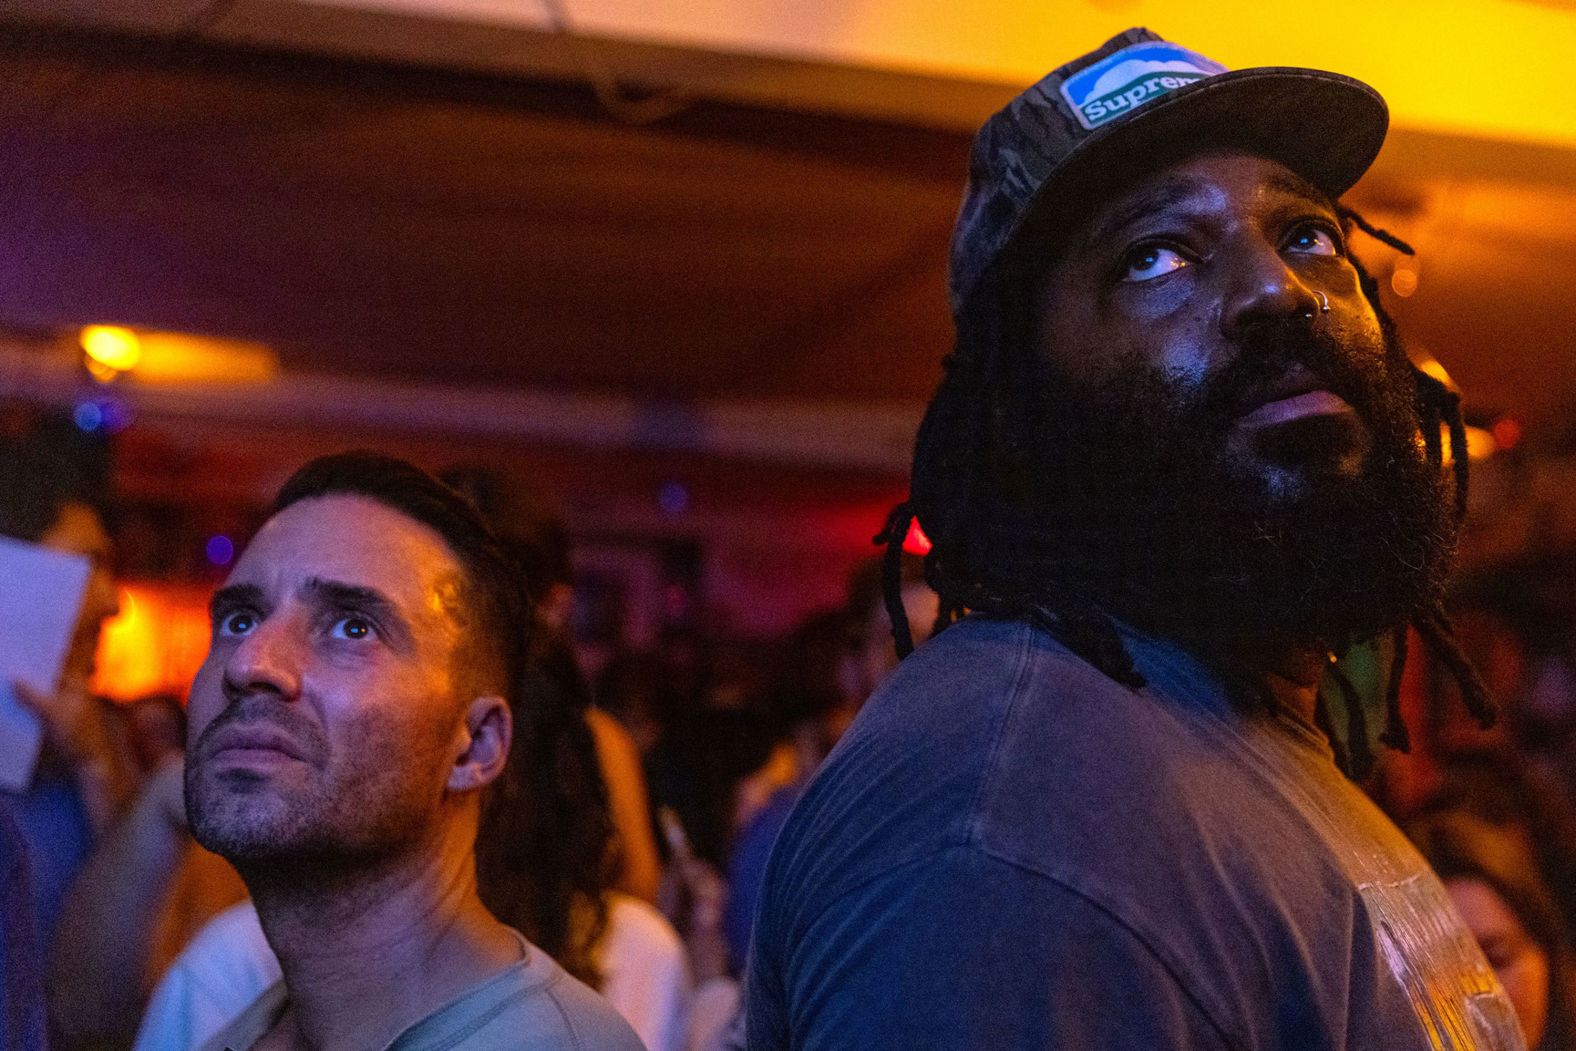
<point>1126,79</point>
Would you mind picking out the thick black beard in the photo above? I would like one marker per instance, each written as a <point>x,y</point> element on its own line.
<point>1139,510</point>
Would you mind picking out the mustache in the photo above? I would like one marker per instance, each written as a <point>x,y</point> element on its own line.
<point>258,710</point>
<point>1273,348</point>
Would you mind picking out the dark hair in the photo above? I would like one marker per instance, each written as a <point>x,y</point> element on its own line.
<point>499,623</point>
<point>974,460</point>
<point>544,858</point>
<point>533,532</point>
<point>1460,845</point>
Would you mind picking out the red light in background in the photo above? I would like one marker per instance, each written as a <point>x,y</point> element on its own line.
<point>916,543</point>
<point>1507,432</point>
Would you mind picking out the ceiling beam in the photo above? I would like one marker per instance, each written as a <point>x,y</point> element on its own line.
<point>870,437</point>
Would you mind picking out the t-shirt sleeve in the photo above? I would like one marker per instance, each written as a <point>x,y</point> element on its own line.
<point>961,950</point>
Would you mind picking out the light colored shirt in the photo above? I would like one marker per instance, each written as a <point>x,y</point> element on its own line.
<point>229,964</point>
<point>534,1005</point>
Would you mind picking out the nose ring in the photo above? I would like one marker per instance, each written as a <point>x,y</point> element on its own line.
<point>1324,301</point>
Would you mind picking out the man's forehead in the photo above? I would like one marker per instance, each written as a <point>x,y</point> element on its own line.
<point>354,540</point>
<point>1200,178</point>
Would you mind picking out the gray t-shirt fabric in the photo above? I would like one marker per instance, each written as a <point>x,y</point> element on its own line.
<point>1009,850</point>
<point>534,1005</point>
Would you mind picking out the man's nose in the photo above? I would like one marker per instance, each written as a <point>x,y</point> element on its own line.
<point>1262,287</point>
<point>267,661</point>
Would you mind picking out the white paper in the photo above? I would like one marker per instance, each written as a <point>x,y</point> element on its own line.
<point>40,595</point>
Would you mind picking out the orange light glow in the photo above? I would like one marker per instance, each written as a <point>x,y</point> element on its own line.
<point>1403,282</point>
<point>1480,444</point>
<point>155,644</point>
<point>112,347</point>
<point>179,357</point>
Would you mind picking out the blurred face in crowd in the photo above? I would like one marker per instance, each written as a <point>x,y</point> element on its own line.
<point>80,531</point>
<point>1520,962</point>
<point>876,656</point>
<point>332,717</point>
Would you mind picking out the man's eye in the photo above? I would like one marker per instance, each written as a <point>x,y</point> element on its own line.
<point>1147,262</point>
<point>238,623</point>
<point>354,627</point>
<point>1313,240</point>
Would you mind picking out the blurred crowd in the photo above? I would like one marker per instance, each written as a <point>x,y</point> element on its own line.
<point>658,783</point>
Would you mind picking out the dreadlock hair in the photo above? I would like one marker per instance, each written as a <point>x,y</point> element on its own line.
<point>975,445</point>
<point>546,849</point>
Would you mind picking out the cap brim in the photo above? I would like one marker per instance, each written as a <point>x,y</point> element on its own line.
<point>1326,127</point>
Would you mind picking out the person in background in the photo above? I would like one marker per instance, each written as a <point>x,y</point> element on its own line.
<point>22,1025</point>
<point>634,689</point>
<point>1495,885</point>
<point>833,663</point>
<point>157,730</point>
<point>875,656</point>
<point>812,695</point>
<point>536,536</point>
<point>50,494</point>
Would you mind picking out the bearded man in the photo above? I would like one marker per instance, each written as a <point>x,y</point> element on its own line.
<point>1177,466</point>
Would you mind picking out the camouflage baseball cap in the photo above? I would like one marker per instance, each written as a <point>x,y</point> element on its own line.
<point>1133,105</point>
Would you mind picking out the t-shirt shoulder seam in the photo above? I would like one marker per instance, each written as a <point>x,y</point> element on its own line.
<point>1024,665</point>
<point>1115,918</point>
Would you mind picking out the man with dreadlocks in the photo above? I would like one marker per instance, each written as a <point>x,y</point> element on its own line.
<point>1177,467</point>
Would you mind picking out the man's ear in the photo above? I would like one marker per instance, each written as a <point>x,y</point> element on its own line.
<point>483,744</point>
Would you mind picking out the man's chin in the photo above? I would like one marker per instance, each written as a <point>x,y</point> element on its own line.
<point>240,823</point>
<point>1303,458</point>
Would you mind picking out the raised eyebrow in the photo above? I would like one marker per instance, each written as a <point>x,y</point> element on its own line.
<point>343,594</point>
<point>359,597</point>
<point>234,596</point>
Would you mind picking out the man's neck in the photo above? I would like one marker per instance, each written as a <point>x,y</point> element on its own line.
<point>368,952</point>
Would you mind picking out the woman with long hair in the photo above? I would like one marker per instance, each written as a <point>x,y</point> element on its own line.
<point>1504,899</point>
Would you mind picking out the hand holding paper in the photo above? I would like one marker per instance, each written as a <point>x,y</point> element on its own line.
<point>40,596</point>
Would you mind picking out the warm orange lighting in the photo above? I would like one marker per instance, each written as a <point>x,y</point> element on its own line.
<point>101,372</point>
<point>178,357</point>
<point>1480,444</point>
<point>155,644</point>
<point>1432,367</point>
<point>111,346</point>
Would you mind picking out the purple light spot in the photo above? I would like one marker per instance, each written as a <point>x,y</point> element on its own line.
<point>673,498</point>
<point>220,550</point>
<point>117,415</point>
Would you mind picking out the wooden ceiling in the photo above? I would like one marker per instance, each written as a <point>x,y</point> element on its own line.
<point>396,224</point>
<point>402,225</point>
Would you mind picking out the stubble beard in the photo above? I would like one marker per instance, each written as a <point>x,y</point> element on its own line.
<point>334,812</point>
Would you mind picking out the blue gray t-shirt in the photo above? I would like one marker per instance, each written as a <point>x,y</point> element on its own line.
<point>1011,851</point>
